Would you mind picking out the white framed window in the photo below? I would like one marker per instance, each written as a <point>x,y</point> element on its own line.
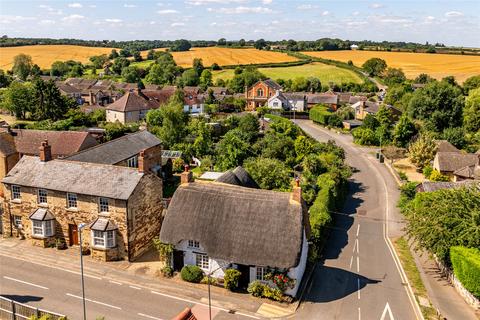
<point>42,228</point>
<point>103,239</point>
<point>16,194</point>
<point>71,200</point>
<point>17,221</point>
<point>42,196</point>
<point>275,104</point>
<point>260,273</point>
<point>201,260</point>
<point>102,204</point>
<point>132,162</point>
<point>193,244</point>
<point>260,92</point>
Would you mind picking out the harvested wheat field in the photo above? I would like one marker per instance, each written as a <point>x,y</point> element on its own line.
<point>227,56</point>
<point>436,65</point>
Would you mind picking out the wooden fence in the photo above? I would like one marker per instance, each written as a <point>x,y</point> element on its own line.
<point>12,310</point>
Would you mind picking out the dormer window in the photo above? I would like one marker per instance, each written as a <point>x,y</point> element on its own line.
<point>132,162</point>
<point>193,244</point>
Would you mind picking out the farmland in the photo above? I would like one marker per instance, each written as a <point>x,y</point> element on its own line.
<point>413,64</point>
<point>45,55</point>
<point>326,73</point>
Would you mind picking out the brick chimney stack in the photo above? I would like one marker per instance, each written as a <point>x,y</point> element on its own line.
<point>45,151</point>
<point>187,175</point>
<point>297,191</point>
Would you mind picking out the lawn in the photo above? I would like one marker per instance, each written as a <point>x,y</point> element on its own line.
<point>326,73</point>
<point>45,55</point>
<point>436,65</point>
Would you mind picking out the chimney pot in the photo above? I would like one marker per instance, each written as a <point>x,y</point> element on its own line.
<point>187,175</point>
<point>45,151</point>
<point>142,162</point>
<point>297,191</point>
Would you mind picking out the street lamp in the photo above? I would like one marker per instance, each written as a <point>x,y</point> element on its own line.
<point>80,228</point>
<point>208,285</point>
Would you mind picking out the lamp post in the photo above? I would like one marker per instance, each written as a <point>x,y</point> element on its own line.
<point>80,227</point>
<point>209,297</point>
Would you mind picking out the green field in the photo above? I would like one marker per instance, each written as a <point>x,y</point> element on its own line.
<point>326,73</point>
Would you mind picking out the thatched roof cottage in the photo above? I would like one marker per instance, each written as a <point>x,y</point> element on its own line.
<point>221,225</point>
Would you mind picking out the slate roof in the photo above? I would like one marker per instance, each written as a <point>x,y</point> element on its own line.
<point>7,144</point>
<point>237,224</point>
<point>272,84</point>
<point>452,161</point>
<point>117,150</point>
<point>239,177</point>
<point>108,181</point>
<point>160,96</point>
<point>64,143</point>
<point>132,102</point>
<point>318,98</point>
<point>445,146</point>
<point>102,224</point>
<point>41,214</point>
<point>468,172</point>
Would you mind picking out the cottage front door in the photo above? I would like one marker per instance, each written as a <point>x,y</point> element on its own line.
<point>73,234</point>
<point>178,260</point>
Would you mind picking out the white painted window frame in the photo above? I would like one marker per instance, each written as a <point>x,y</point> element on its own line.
<point>106,239</point>
<point>43,229</point>
<point>193,244</point>
<point>102,206</point>
<point>202,261</point>
<point>42,196</point>
<point>72,200</point>
<point>16,192</point>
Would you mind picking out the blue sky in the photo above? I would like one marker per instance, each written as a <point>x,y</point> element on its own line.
<point>453,22</point>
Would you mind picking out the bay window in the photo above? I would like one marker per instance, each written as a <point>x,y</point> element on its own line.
<point>103,239</point>
<point>42,228</point>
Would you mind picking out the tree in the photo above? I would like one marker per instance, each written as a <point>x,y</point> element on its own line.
<point>249,125</point>
<point>241,42</point>
<point>222,42</point>
<point>370,122</point>
<point>271,174</point>
<point>49,102</point>
<point>244,78</point>
<point>314,84</point>
<point>5,79</point>
<point>130,74</point>
<point>202,137</point>
<point>471,113</point>
<point>120,63</point>
<point>422,151</point>
<point>137,56</point>
<point>384,116</point>
<point>231,150</point>
<point>439,104</point>
<point>404,131</point>
<point>423,78</point>
<point>181,45</point>
<point>189,78</point>
<point>471,83</point>
<point>276,146</point>
<point>374,66</point>
<point>455,136</point>
<point>394,76</point>
<point>36,71</point>
<point>151,54</point>
<point>18,99</point>
<point>395,95</point>
<point>99,61</point>
<point>125,53</point>
<point>260,44</point>
<point>197,65</point>
<point>22,65</point>
<point>173,123</point>
<point>206,78</point>
<point>113,54</point>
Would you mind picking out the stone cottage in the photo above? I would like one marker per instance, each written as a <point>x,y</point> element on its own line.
<point>46,200</point>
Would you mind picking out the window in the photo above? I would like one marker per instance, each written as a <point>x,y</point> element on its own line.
<point>260,274</point>
<point>103,239</point>
<point>103,204</point>
<point>193,244</point>
<point>42,196</point>
<point>16,192</point>
<point>260,92</point>
<point>17,221</point>
<point>201,260</point>
<point>71,200</point>
<point>42,228</point>
<point>275,104</point>
<point>132,162</point>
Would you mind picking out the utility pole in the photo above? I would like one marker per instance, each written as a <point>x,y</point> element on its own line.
<point>80,227</point>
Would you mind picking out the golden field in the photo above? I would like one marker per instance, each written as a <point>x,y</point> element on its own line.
<point>45,55</point>
<point>228,56</point>
<point>413,64</point>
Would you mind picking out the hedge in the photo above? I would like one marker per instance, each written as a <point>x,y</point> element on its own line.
<point>466,267</point>
<point>191,274</point>
<point>320,114</point>
<point>324,203</point>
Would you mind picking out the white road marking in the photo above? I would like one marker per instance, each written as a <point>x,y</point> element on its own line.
<point>94,301</point>
<point>25,282</point>
<point>358,229</point>
<point>358,288</point>
<point>359,314</point>
<point>149,317</point>
<point>355,245</point>
<point>389,311</point>
<point>136,288</point>
<point>115,282</point>
<point>187,300</point>
<point>358,245</point>
<point>246,315</point>
<point>358,264</point>
<point>351,262</point>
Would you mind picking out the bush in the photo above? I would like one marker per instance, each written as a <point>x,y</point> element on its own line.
<point>255,288</point>
<point>403,175</point>
<point>213,281</point>
<point>320,114</point>
<point>178,164</point>
<point>335,121</point>
<point>427,171</point>
<point>258,289</point>
<point>466,267</point>
<point>437,176</point>
<point>231,279</point>
<point>191,274</point>
<point>167,271</point>
<point>364,136</point>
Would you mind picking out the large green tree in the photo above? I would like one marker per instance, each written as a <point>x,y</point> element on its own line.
<point>232,150</point>
<point>130,74</point>
<point>271,174</point>
<point>422,151</point>
<point>168,123</point>
<point>404,131</point>
<point>181,45</point>
<point>22,65</point>
<point>471,113</point>
<point>18,99</point>
<point>374,66</point>
<point>49,102</point>
<point>471,83</point>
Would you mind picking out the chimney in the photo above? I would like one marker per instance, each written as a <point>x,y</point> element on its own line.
<point>186,176</point>
<point>297,191</point>
<point>45,151</point>
<point>92,98</point>
<point>142,162</point>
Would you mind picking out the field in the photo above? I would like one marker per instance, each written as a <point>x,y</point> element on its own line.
<point>326,73</point>
<point>436,65</point>
<point>45,55</point>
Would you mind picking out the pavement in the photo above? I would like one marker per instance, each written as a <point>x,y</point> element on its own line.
<point>359,250</point>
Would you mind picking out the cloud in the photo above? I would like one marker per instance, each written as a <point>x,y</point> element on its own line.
<point>46,22</point>
<point>267,1</point>
<point>307,7</point>
<point>6,19</point>
<point>113,20</point>
<point>73,18</point>
<point>167,11</point>
<point>395,20</point>
<point>241,10</point>
<point>92,6</point>
<point>75,5</point>
<point>126,5</point>
<point>51,10</point>
<point>356,13</point>
<point>376,5</point>
<point>205,2</point>
<point>177,24</point>
<point>451,14</point>
<point>325,13</point>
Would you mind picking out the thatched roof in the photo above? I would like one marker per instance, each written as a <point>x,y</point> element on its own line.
<point>445,146</point>
<point>431,186</point>
<point>452,161</point>
<point>238,177</point>
<point>237,224</point>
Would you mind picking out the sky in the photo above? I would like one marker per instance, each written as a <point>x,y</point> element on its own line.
<point>453,22</point>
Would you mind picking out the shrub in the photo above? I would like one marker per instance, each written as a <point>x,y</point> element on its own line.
<point>255,288</point>
<point>335,121</point>
<point>258,289</point>
<point>427,171</point>
<point>320,114</point>
<point>466,267</point>
<point>437,176</point>
<point>403,175</point>
<point>364,136</point>
<point>213,281</point>
<point>191,274</point>
<point>178,164</point>
<point>167,271</point>
<point>231,279</point>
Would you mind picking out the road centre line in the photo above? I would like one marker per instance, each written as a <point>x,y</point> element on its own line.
<point>359,314</point>
<point>115,282</point>
<point>136,288</point>
<point>358,229</point>
<point>351,262</point>
<point>94,301</point>
<point>358,264</point>
<point>149,317</point>
<point>25,282</point>
<point>358,288</point>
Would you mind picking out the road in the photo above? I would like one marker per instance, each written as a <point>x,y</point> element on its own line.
<point>59,291</point>
<point>360,277</point>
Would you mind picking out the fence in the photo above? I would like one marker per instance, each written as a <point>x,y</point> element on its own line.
<point>12,310</point>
